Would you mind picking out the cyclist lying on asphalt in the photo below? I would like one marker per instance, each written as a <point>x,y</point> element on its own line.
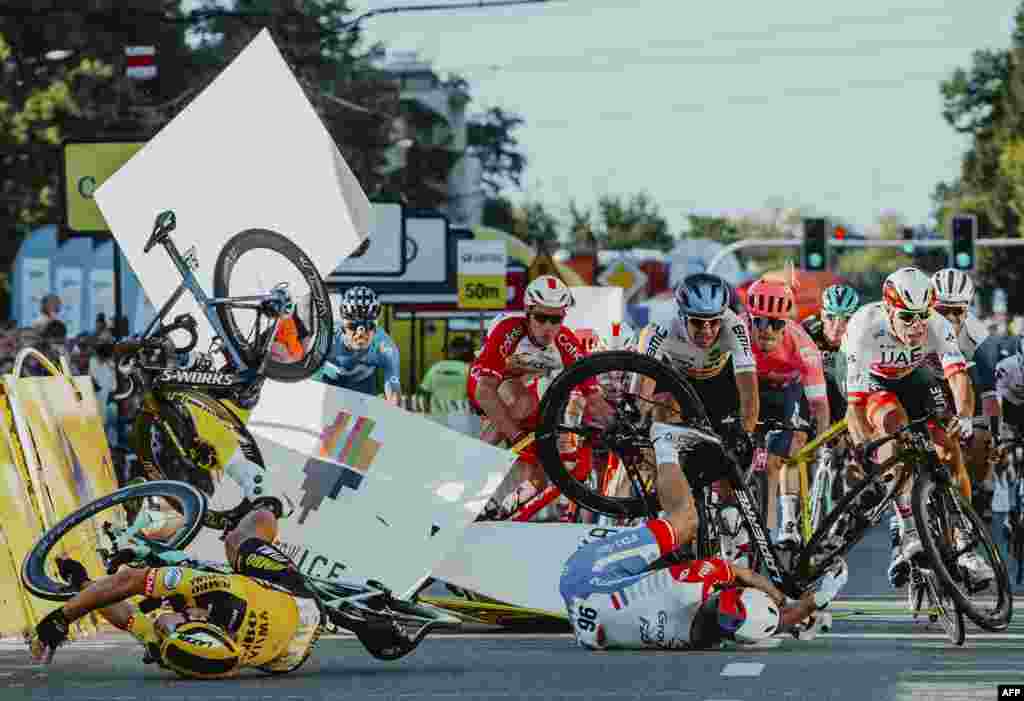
<point>621,593</point>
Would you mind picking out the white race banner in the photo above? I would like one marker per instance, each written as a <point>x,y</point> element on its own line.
<point>483,561</point>
<point>248,152</point>
<point>35,284</point>
<point>594,311</point>
<point>69,287</point>
<point>379,493</point>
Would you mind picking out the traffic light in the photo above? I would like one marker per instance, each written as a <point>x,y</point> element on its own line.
<point>908,238</point>
<point>815,253</point>
<point>965,230</point>
<point>839,233</point>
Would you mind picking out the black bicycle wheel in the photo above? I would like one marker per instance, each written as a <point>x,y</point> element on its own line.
<point>937,510</point>
<point>81,535</point>
<point>849,520</point>
<point>313,310</point>
<point>160,458</point>
<point>629,435</point>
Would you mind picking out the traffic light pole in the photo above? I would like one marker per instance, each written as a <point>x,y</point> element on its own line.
<point>856,243</point>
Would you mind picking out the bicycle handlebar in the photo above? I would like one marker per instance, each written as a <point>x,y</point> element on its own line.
<point>768,425</point>
<point>872,446</point>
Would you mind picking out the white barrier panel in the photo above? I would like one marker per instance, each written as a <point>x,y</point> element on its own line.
<point>518,563</point>
<point>248,152</point>
<point>379,493</point>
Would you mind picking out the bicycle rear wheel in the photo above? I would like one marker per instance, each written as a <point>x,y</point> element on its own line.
<point>171,511</point>
<point>940,512</point>
<point>629,435</point>
<point>253,262</point>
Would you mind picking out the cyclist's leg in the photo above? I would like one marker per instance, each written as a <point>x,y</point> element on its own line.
<point>785,406</point>
<point>259,524</point>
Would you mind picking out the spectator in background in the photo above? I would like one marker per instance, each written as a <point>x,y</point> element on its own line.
<point>1004,480</point>
<point>104,380</point>
<point>444,386</point>
<point>49,311</point>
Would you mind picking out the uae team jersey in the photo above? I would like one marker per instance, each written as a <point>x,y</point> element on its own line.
<point>795,359</point>
<point>872,348</point>
<point>672,342</point>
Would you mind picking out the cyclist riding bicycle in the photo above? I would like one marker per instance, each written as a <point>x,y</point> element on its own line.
<point>1010,391</point>
<point>622,592</point>
<point>954,292</point>
<point>838,303</point>
<point>361,348</point>
<point>888,385</point>
<point>260,615</point>
<point>519,350</point>
<point>787,360</point>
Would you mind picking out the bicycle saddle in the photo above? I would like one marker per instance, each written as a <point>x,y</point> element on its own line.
<point>162,228</point>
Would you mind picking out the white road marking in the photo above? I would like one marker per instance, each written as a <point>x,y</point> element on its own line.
<point>743,669</point>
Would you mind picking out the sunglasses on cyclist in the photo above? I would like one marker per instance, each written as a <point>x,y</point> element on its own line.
<point>354,326</point>
<point>762,323</point>
<point>707,322</point>
<point>909,318</point>
<point>550,319</point>
<point>835,317</point>
<point>955,312</point>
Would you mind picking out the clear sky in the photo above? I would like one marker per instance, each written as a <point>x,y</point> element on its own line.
<point>718,107</point>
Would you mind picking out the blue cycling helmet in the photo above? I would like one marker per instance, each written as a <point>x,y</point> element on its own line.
<point>841,300</point>
<point>702,294</point>
<point>360,304</point>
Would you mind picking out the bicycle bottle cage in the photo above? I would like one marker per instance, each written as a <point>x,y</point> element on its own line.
<point>162,228</point>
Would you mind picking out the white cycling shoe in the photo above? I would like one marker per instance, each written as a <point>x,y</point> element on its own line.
<point>979,572</point>
<point>735,540</point>
<point>899,567</point>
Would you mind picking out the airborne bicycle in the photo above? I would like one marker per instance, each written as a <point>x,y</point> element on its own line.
<point>186,414</point>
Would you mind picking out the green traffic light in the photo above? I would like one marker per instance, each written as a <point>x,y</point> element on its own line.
<point>963,260</point>
<point>815,260</point>
<point>908,248</point>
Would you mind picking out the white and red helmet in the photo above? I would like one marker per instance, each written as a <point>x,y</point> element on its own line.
<point>548,291</point>
<point>908,289</point>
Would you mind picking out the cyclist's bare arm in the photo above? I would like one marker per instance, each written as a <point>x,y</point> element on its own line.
<point>857,423</point>
<point>750,400</point>
<point>496,410</point>
<point>105,591</point>
<point>963,393</point>
<point>820,412</point>
<point>792,614</point>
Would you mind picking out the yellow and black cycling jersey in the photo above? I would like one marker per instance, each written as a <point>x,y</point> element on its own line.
<point>264,605</point>
<point>671,342</point>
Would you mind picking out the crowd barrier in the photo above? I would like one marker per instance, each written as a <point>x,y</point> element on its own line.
<point>54,456</point>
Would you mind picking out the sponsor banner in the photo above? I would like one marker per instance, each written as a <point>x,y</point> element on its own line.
<point>367,480</point>
<point>481,561</point>
<point>286,174</point>
<point>481,274</point>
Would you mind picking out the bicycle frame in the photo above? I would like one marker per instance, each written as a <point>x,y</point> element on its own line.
<point>800,462</point>
<point>186,265</point>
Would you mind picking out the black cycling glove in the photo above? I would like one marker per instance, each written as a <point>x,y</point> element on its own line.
<point>52,631</point>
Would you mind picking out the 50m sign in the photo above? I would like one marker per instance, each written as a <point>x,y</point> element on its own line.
<point>481,274</point>
<point>482,292</point>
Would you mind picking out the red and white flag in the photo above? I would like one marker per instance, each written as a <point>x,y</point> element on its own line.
<point>141,62</point>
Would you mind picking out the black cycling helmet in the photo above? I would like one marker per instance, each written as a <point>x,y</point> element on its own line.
<point>360,304</point>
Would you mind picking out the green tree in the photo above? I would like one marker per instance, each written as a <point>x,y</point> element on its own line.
<point>492,139</point>
<point>633,222</point>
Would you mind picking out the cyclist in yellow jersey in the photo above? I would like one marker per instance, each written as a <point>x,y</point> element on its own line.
<point>260,615</point>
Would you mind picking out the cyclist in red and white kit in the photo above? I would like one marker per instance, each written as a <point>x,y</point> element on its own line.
<point>519,350</point>
<point>886,346</point>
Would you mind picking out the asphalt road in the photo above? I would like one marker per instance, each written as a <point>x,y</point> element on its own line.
<point>874,652</point>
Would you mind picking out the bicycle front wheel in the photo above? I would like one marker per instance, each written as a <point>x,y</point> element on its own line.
<point>620,374</point>
<point>165,513</point>
<point>944,520</point>
<point>250,265</point>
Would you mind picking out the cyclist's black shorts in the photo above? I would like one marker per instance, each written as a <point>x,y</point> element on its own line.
<point>262,560</point>
<point>1013,415</point>
<point>920,393</point>
<point>786,404</point>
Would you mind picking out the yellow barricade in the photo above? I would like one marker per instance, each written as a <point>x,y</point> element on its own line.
<point>55,458</point>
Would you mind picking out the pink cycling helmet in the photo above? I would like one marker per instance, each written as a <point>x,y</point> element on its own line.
<point>770,298</point>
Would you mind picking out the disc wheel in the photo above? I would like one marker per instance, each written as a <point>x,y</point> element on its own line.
<point>620,374</point>
<point>251,264</point>
<point>171,511</point>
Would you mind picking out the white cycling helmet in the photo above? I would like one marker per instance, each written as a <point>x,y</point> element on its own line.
<point>908,289</point>
<point>745,615</point>
<point>548,291</point>
<point>953,287</point>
